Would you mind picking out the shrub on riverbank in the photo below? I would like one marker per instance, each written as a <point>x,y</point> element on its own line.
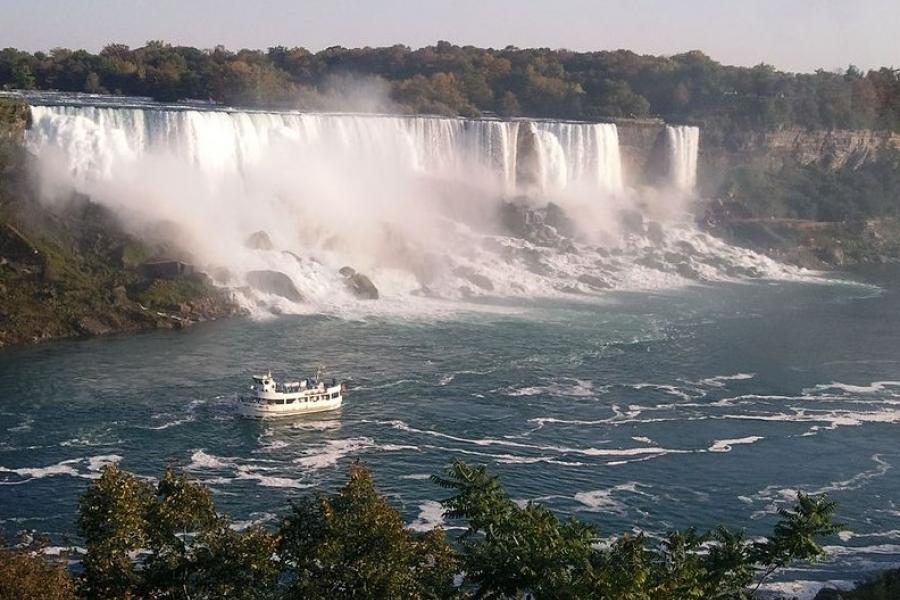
<point>168,541</point>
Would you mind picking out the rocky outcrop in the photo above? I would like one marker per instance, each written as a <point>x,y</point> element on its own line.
<point>534,224</point>
<point>259,240</point>
<point>641,147</point>
<point>358,284</point>
<point>274,282</point>
<point>475,278</point>
<point>769,151</point>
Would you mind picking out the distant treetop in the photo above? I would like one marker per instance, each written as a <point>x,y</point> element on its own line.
<point>464,80</point>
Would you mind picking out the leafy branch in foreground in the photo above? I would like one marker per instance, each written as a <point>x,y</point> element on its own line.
<point>166,541</point>
<point>510,550</point>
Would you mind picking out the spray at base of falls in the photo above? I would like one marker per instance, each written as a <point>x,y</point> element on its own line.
<point>412,202</point>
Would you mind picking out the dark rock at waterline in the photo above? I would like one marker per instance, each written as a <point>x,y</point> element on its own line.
<point>556,217</point>
<point>275,282</point>
<point>687,271</point>
<point>833,255</point>
<point>90,325</point>
<point>594,282</point>
<point>474,278</point>
<point>259,240</point>
<point>655,232</point>
<point>687,247</point>
<point>358,284</point>
<point>632,221</point>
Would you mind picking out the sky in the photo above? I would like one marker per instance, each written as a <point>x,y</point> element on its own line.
<point>793,35</point>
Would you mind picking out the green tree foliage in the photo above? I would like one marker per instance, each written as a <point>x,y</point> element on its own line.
<point>464,80</point>
<point>112,520</point>
<point>168,542</point>
<point>355,545</point>
<point>513,551</point>
<point>26,575</point>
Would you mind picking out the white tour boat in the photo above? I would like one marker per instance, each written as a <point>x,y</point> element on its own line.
<point>268,398</point>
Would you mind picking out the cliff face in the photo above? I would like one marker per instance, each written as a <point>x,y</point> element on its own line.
<point>769,151</point>
<point>13,115</point>
<point>642,147</point>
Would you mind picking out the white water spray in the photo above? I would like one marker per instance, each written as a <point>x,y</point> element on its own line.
<point>411,201</point>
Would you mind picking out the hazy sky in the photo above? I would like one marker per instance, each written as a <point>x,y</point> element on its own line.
<point>791,34</point>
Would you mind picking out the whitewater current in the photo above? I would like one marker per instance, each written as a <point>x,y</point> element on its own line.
<point>415,203</point>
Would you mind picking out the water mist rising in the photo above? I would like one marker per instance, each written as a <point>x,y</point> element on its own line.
<point>414,202</point>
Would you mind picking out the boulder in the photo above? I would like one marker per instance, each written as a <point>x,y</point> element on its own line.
<point>474,278</point>
<point>259,240</point>
<point>274,282</point>
<point>556,217</point>
<point>593,281</point>
<point>632,221</point>
<point>655,232</point>
<point>358,284</point>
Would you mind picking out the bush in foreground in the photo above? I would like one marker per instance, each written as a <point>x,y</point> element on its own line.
<point>168,541</point>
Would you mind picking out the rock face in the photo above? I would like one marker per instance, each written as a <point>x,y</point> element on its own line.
<point>259,240</point>
<point>358,284</point>
<point>771,150</point>
<point>535,226</point>
<point>275,282</point>
<point>476,279</point>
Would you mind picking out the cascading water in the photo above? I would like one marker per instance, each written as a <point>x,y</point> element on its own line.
<point>590,152</point>
<point>414,202</point>
<point>683,145</point>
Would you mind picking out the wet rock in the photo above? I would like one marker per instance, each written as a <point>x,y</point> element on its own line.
<point>632,221</point>
<point>474,278</point>
<point>593,281</point>
<point>259,240</point>
<point>92,326</point>
<point>275,282</point>
<point>556,217</point>
<point>687,271</point>
<point>358,284</point>
<point>833,255</point>
<point>687,247</point>
<point>569,289</point>
<point>655,232</point>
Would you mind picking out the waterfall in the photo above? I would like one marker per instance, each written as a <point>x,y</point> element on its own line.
<point>415,203</point>
<point>584,154</point>
<point>218,143</point>
<point>683,144</point>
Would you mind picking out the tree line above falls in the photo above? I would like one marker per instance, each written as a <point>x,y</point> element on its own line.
<point>465,80</point>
